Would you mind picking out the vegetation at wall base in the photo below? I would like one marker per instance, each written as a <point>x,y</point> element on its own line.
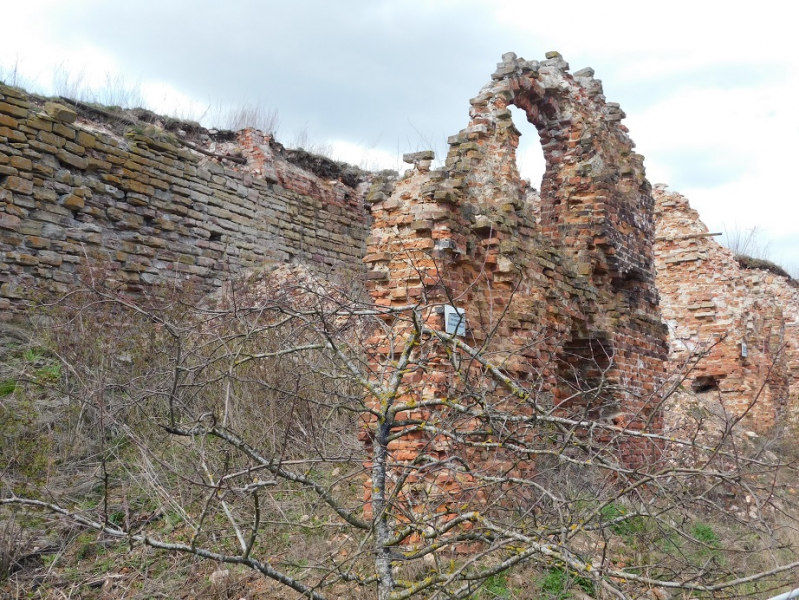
<point>233,448</point>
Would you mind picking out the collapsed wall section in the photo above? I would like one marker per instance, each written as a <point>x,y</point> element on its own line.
<point>561,306</point>
<point>733,332</point>
<point>148,210</point>
<point>596,206</point>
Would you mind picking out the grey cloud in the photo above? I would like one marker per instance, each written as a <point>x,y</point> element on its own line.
<point>644,92</point>
<point>350,70</point>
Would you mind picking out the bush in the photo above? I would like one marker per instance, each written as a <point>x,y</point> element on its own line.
<point>268,430</point>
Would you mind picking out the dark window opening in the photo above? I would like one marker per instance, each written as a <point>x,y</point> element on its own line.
<point>705,383</point>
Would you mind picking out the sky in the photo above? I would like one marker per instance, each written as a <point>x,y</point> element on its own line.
<point>709,87</point>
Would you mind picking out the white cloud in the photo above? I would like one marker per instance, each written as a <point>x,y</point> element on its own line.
<point>708,86</point>
<point>366,157</point>
<point>164,98</point>
<point>731,152</point>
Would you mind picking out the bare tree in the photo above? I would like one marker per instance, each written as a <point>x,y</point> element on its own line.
<point>241,423</point>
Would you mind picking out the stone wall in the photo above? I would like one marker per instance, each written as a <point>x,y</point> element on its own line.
<point>562,305</point>
<point>573,268</point>
<point>148,209</point>
<point>733,332</point>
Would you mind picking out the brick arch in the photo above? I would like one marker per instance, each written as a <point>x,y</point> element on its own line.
<point>595,199</point>
<point>595,205</point>
<point>579,284</point>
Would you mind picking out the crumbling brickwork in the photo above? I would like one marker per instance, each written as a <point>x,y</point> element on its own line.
<point>572,269</point>
<point>732,331</point>
<point>567,302</point>
<point>560,290</point>
<point>150,210</point>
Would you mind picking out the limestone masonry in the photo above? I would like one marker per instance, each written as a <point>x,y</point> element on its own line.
<point>151,210</point>
<point>574,280</point>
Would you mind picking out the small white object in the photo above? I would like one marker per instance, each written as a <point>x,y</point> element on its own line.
<point>787,595</point>
<point>455,320</point>
<point>744,351</point>
<point>220,577</point>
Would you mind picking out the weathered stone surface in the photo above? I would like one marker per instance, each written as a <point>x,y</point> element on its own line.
<point>9,221</point>
<point>7,121</point>
<point>13,110</point>
<point>59,112</point>
<point>72,202</point>
<point>572,267</point>
<point>71,160</point>
<point>414,157</point>
<point>570,275</point>
<point>193,222</point>
<point>19,185</point>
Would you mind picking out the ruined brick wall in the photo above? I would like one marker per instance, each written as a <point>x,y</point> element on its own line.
<point>150,210</point>
<point>566,302</point>
<point>714,309</point>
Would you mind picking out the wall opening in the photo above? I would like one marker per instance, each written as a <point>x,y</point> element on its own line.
<point>586,380</point>
<point>704,384</point>
<point>529,155</point>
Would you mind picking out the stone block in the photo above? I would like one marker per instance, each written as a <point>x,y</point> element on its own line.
<point>20,185</point>
<point>13,291</point>
<point>19,162</point>
<point>50,258</point>
<point>414,157</point>
<point>13,135</point>
<point>72,160</point>
<point>45,194</point>
<point>39,243</point>
<point>9,221</point>
<point>75,148</point>
<point>42,147</point>
<point>59,112</point>
<point>86,139</point>
<point>72,202</point>
<point>39,123</point>
<point>12,110</point>
<point>65,131</point>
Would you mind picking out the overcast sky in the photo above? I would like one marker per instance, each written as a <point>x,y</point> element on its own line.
<point>710,87</point>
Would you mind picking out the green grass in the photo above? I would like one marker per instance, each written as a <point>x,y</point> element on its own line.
<point>32,355</point>
<point>51,372</point>
<point>705,534</point>
<point>496,586</point>
<point>554,583</point>
<point>557,582</point>
<point>7,387</point>
<point>627,528</point>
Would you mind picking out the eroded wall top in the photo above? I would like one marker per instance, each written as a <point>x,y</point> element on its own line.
<point>594,197</point>
<point>147,207</point>
<point>733,332</point>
